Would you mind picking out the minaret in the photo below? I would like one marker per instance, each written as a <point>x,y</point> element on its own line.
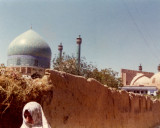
<point>140,67</point>
<point>60,48</point>
<point>79,41</point>
<point>159,68</point>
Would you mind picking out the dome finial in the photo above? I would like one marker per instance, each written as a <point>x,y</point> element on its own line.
<point>140,67</point>
<point>31,26</point>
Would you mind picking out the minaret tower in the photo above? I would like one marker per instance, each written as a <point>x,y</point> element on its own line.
<point>140,67</point>
<point>79,41</point>
<point>159,68</point>
<point>60,48</point>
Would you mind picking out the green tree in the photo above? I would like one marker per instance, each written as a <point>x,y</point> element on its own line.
<point>105,76</point>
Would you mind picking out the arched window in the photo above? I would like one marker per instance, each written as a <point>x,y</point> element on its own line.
<point>18,61</point>
<point>28,70</point>
<point>23,70</point>
<point>35,62</point>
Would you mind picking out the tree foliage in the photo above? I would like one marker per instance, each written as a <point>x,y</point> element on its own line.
<point>105,76</point>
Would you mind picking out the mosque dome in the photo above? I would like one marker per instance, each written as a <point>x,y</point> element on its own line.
<point>29,49</point>
<point>140,79</point>
<point>29,43</point>
<point>155,80</point>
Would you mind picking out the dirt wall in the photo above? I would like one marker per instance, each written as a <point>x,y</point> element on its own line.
<point>77,102</point>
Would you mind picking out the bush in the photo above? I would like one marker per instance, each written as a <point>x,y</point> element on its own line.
<point>15,90</point>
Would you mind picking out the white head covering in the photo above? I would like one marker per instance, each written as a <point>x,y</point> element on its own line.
<point>37,114</point>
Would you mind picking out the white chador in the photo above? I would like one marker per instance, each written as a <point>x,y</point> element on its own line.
<point>37,114</point>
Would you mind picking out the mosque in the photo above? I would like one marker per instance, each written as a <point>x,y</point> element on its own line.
<point>29,54</point>
<point>140,82</point>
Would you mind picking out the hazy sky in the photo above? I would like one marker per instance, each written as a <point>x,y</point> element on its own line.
<point>116,33</point>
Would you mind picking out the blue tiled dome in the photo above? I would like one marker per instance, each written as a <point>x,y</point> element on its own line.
<point>29,43</point>
<point>28,48</point>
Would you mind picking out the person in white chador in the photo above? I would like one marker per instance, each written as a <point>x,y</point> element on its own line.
<point>33,116</point>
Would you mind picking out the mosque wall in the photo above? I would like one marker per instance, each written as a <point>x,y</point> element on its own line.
<point>85,103</point>
<point>127,75</point>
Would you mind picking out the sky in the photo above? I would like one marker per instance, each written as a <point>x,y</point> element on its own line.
<point>115,34</point>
